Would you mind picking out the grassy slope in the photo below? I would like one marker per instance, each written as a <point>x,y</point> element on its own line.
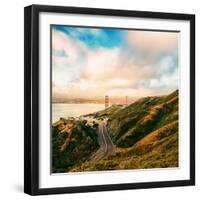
<point>132,123</point>
<point>146,136</point>
<point>108,112</point>
<point>158,149</point>
<point>73,142</point>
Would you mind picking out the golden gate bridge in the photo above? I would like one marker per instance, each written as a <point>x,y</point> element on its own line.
<point>109,103</point>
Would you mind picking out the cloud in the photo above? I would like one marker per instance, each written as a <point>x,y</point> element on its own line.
<point>165,76</point>
<point>112,64</point>
<point>61,43</point>
<point>67,53</point>
<point>153,41</point>
<point>145,64</point>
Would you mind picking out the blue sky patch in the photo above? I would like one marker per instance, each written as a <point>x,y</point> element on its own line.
<point>95,37</point>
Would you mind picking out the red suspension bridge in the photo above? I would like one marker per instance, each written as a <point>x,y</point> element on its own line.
<point>109,103</point>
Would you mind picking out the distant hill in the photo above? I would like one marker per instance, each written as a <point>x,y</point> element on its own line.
<point>97,100</point>
<point>145,134</point>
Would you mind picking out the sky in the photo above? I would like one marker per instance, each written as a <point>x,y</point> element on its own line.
<point>93,62</point>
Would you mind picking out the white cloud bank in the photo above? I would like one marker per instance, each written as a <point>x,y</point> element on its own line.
<point>152,41</point>
<point>81,72</point>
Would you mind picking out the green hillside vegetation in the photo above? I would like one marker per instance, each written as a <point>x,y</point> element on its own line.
<point>145,134</point>
<point>108,112</point>
<point>73,142</point>
<point>158,149</point>
<point>135,121</point>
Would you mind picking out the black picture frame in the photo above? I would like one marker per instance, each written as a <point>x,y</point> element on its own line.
<point>31,98</point>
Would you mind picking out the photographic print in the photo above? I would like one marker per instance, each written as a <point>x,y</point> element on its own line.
<point>109,99</point>
<point>114,99</point>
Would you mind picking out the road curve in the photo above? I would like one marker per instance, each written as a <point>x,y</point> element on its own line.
<point>105,142</point>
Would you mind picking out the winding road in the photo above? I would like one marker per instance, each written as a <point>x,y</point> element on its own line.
<point>105,142</point>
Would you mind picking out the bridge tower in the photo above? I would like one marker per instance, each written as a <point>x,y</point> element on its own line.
<point>106,101</point>
<point>126,100</point>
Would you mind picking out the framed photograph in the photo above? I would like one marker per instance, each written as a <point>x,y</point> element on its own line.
<point>109,99</point>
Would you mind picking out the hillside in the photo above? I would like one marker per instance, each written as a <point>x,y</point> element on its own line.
<point>135,121</point>
<point>73,142</point>
<point>145,134</point>
<point>159,149</point>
